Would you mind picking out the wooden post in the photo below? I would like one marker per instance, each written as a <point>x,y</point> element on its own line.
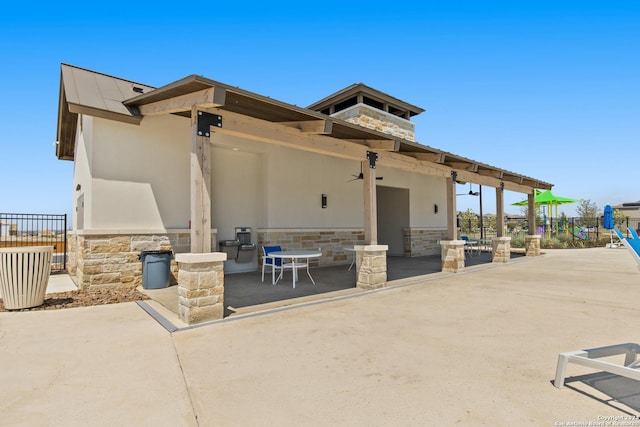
<point>500,210</point>
<point>531,198</point>
<point>452,213</point>
<point>200,189</point>
<point>370,208</point>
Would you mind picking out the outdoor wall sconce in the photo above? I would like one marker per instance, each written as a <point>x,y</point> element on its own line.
<point>435,208</point>
<point>78,187</point>
<point>324,201</point>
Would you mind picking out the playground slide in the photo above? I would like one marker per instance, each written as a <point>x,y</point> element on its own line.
<point>578,232</point>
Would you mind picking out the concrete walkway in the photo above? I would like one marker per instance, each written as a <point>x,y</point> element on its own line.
<point>467,349</point>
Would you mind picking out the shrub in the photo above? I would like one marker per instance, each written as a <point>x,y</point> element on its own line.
<point>517,241</point>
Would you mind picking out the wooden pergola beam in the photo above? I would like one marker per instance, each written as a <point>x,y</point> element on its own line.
<point>465,166</point>
<point>322,127</point>
<point>384,145</point>
<point>429,157</point>
<point>206,98</point>
<point>274,133</point>
<point>493,173</point>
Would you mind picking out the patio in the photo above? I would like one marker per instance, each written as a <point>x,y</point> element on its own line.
<point>245,292</point>
<point>468,349</point>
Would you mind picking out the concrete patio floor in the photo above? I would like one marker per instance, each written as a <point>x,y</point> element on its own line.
<point>467,349</point>
<point>246,292</point>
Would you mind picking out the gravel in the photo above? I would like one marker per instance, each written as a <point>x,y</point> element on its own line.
<point>85,298</point>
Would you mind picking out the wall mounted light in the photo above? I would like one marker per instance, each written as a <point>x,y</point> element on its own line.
<point>435,208</point>
<point>324,201</point>
<point>78,187</point>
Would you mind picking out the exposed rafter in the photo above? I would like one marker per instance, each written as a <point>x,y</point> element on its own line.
<point>322,127</point>
<point>429,157</point>
<point>206,98</point>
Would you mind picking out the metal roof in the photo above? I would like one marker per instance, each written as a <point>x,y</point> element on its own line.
<point>360,88</point>
<point>88,92</point>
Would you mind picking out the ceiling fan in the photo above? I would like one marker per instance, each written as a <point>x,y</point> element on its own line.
<point>470,193</point>
<point>361,175</point>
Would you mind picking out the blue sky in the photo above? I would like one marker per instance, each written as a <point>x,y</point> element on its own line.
<point>546,89</point>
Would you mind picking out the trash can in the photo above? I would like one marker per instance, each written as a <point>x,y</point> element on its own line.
<point>24,275</point>
<point>156,269</point>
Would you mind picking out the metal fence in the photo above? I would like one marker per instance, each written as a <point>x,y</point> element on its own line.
<point>575,228</point>
<point>36,230</point>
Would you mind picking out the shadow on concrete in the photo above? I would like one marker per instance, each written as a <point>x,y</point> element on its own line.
<point>619,389</point>
<point>246,292</point>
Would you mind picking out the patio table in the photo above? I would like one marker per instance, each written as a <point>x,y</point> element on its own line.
<point>294,256</point>
<point>471,245</point>
<point>486,244</point>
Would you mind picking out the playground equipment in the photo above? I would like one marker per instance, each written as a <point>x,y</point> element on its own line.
<point>578,231</point>
<point>547,198</point>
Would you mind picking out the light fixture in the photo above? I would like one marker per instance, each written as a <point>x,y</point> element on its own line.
<point>435,208</point>
<point>324,201</point>
<point>78,187</point>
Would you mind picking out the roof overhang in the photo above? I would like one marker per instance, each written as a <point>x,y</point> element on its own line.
<point>181,96</point>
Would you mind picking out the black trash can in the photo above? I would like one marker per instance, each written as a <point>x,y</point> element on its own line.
<point>156,269</point>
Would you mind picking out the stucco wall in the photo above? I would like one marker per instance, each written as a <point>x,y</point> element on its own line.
<point>138,174</point>
<point>139,180</point>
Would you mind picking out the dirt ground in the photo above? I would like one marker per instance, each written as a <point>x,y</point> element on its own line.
<point>59,300</point>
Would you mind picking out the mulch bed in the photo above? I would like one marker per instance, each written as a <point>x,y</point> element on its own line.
<point>85,298</point>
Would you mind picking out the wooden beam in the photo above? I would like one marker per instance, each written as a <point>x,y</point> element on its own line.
<point>429,157</point>
<point>273,133</point>
<point>377,144</point>
<point>384,145</point>
<point>206,98</point>
<point>103,114</point>
<point>311,126</point>
<point>200,189</point>
<point>370,208</point>
<point>499,211</point>
<point>452,212</point>
<point>531,214</point>
<point>465,166</point>
<point>493,173</point>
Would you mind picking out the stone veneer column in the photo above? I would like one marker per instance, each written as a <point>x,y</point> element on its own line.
<point>452,255</point>
<point>201,286</point>
<point>501,249</point>
<point>371,266</point>
<point>532,245</point>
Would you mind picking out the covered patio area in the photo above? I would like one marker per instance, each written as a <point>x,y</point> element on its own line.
<point>245,292</point>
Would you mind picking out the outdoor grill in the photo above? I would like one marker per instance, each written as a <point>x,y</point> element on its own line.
<point>241,249</point>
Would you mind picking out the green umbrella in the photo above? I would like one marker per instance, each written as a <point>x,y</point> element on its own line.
<point>546,198</point>
<point>526,201</point>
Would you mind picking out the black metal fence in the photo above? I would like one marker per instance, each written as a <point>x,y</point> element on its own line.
<point>575,228</point>
<point>36,230</point>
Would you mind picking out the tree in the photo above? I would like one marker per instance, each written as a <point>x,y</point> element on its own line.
<point>525,212</point>
<point>588,211</point>
<point>468,220</point>
<point>619,218</point>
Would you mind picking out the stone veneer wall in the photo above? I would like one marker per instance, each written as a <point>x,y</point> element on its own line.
<point>112,259</point>
<point>423,241</point>
<point>331,242</point>
<point>372,118</point>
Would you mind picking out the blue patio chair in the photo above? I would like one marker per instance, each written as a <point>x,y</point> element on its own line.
<point>469,245</point>
<point>273,263</point>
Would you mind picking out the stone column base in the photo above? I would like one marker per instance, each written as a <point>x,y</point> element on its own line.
<point>452,255</point>
<point>532,245</point>
<point>501,247</point>
<point>371,266</point>
<point>200,286</point>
